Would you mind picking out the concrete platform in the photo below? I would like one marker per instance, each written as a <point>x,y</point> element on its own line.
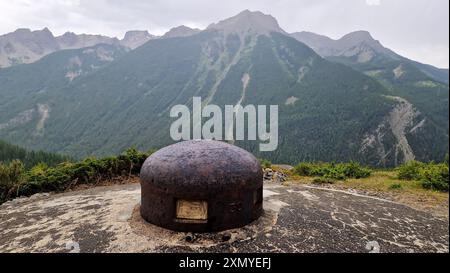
<point>297,219</point>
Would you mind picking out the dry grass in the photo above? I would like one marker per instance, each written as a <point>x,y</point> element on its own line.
<point>384,184</point>
<point>120,180</point>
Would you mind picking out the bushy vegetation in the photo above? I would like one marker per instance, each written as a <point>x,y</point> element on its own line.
<point>340,171</point>
<point>11,174</point>
<point>434,176</point>
<point>265,163</point>
<point>395,186</point>
<point>410,170</point>
<point>431,175</point>
<point>9,152</point>
<point>323,180</point>
<point>15,180</point>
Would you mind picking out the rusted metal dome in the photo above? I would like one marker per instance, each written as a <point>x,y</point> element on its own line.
<point>201,186</point>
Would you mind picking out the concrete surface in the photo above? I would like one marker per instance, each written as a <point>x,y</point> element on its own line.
<point>297,219</point>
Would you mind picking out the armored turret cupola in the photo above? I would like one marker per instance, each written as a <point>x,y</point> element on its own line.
<point>201,186</point>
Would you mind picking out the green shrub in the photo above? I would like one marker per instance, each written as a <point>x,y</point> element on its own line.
<point>11,175</point>
<point>335,174</point>
<point>341,171</point>
<point>265,163</point>
<point>42,178</point>
<point>313,169</point>
<point>353,170</point>
<point>304,169</point>
<point>435,177</point>
<point>395,187</point>
<point>431,175</point>
<point>410,170</point>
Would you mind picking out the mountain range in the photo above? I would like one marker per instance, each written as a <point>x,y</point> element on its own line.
<point>359,48</point>
<point>25,46</point>
<point>339,100</point>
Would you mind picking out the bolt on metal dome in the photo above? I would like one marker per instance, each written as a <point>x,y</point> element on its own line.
<point>201,186</point>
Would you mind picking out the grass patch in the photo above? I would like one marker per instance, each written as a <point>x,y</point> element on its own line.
<point>323,180</point>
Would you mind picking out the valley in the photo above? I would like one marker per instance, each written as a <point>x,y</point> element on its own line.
<point>339,100</point>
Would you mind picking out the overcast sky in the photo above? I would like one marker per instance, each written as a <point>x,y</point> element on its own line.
<point>417,29</point>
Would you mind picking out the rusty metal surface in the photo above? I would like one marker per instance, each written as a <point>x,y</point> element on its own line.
<point>227,177</point>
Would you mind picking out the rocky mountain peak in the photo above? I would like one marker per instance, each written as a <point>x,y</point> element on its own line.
<point>46,31</point>
<point>27,34</point>
<point>181,31</point>
<point>358,37</point>
<point>248,21</point>
<point>68,38</point>
<point>363,40</point>
<point>311,36</point>
<point>319,43</point>
<point>354,43</point>
<point>71,40</point>
<point>132,34</point>
<point>136,38</point>
<point>22,31</point>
